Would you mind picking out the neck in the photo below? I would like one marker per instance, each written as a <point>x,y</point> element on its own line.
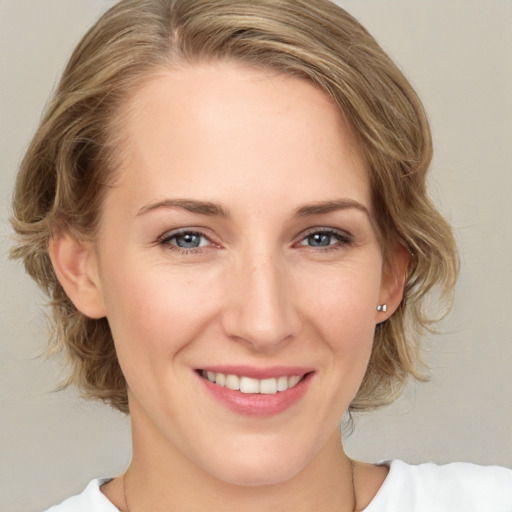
<point>160,478</point>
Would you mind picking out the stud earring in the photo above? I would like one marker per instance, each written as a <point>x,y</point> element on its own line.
<point>382,307</point>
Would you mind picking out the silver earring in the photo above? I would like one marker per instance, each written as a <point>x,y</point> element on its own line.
<point>382,307</point>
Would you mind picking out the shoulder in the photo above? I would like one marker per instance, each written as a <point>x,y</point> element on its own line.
<point>452,487</point>
<point>90,500</point>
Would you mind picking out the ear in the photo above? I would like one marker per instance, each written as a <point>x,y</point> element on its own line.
<point>75,264</point>
<point>394,276</point>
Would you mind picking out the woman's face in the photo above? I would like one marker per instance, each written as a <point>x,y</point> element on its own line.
<point>238,244</point>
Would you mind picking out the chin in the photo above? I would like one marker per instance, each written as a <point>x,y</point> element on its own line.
<point>250,476</point>
<point>268,467</point>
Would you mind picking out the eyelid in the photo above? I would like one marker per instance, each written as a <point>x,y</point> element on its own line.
<point>164,241</point>
<point>327,230</point>
<point>182,231</point>
<point>343,239</point>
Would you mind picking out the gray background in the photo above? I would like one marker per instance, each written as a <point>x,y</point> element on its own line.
<point>458,54</point>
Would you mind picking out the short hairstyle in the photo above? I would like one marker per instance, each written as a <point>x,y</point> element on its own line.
<point>75,152</point>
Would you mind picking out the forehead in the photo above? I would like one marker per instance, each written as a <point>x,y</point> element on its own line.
<point>223,126</point>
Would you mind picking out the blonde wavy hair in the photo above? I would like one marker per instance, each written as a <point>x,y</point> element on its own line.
<point>74,155</point>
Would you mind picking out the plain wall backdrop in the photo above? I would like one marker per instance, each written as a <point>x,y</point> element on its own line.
<point>458,54</point>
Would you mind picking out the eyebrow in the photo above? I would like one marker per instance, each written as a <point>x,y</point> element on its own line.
<point>217,210</point>
<point>191,205</point>
<point>323,207</point>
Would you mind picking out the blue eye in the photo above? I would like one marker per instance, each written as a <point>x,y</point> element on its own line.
<point>320,240</point>
<point>323,239</point>
<point>186,240</point>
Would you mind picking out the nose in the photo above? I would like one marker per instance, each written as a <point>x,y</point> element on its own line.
<point>261,310</point>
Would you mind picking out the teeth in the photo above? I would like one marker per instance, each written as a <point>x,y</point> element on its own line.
<point>220,379</point>
<point>268,386</point>
<point>248,385</point>
<point>232,382</point>
<point>293,380</point>
<point>252,386</point>
<point>282,383</point>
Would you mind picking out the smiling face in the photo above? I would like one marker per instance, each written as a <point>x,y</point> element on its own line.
<point>238,245</point>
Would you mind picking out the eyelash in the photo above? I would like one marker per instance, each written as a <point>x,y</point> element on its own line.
<point>165,241</point>
<point>343,239</point>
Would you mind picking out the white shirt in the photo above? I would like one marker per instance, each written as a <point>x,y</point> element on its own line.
<point>457,487</point>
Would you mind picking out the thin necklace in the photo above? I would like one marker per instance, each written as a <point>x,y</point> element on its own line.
<point>354,495</point>
<point>124,494</point>
<point>352,468</point>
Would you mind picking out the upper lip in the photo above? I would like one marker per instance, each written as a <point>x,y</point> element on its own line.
<point>253,372</point>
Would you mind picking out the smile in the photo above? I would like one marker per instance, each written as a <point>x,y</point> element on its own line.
<point>255,391</point>
<point>250,385</point>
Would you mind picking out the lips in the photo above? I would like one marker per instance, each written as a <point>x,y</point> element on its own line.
<point>256,392</point>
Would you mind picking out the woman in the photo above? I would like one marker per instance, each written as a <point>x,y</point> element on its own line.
<point>226,204</point>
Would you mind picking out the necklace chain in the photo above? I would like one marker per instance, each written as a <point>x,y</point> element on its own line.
<point>354,496</point>
<point>124,493</point>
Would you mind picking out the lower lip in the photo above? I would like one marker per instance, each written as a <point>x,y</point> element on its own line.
<point>257,404</point>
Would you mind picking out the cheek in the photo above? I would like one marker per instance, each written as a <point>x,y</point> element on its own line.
<point>154,312</point>
<point>344,298</point>
<point>341,308</point>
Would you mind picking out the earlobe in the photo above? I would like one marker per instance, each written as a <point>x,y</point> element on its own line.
<point>75,265</point>
<point>393,282</point>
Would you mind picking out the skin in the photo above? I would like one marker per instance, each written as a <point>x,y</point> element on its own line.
<point>257,291</point>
